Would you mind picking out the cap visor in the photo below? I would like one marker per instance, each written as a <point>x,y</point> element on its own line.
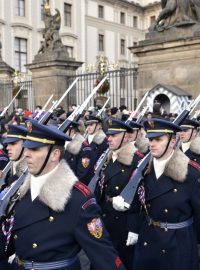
<point>32,144</point>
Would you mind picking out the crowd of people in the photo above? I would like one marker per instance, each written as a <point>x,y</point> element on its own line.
<point>57,222</point>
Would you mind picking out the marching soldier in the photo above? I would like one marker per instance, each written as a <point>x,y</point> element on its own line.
<point>93,147</point>
<point>190,140</point>
<point>14,141</point>
<point>73,147</point>
<point>55,214</point>
<point>170,196</point>
<point>123,159</point>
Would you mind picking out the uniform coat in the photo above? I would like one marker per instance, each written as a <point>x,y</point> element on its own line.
<point>173,197</point>
<point>194,151</point>
<point>59,222</point>
<point>113,180</point>
<point>90,153</point>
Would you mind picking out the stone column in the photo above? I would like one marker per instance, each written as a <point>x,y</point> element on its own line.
<point>50,71</point>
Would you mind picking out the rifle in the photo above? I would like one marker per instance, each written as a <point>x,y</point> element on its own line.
<point>134,113</point>
<point>100,162</point>
<point>129,191</point>
<point>103,108</point>
<point>45,118</point>
<point>7,107</point>
<point>4,201</point>
<point>78,111</point>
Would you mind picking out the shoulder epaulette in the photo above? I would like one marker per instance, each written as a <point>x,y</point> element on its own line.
<point>139,154</point>
<point>195,164</point>
<point>82,188</point>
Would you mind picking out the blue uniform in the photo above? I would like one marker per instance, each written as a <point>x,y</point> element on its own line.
<point>58,223</point>
<point>172,198</point>
<point>113,180</point>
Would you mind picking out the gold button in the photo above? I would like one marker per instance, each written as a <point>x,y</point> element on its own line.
<point>148,205</point>
<point>116,217</point>
<point>175,190</point>
<point>166,229</point>
<point>123,170</point>
<point>51,219</point>
<point>145,243</point>
<point>166,210</point>
<point>34,245</point>
<point>117,188</point>
<point>15,237</point>
<point>195,159</point>
<point>163,251</point>
<point>104,215</point>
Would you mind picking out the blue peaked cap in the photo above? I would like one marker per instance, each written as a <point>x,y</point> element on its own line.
<point>40,135</point>
<point>15,133</point>
<point>159,127</point>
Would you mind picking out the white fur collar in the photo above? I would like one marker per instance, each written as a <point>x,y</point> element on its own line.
<point>177,166</point>
<point>125,154</point>
<point>74,146</point>
<point>56,191</point>
<point>195,145</point>
<point>99,137</point>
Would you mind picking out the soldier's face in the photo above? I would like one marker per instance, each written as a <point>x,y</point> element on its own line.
<point>185,135</point>
<point>14,149</point>
<point>115,140</point>
<point>35,158</point>
<point>158,145</point>
<point>91,128</point>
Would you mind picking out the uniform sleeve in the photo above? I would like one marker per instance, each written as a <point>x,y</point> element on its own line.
<point>92,236</point>
<point>85,166</point>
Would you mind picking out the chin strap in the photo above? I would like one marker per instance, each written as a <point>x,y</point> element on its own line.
<point>45,162</point>
<point>121,141</point>
<point>170,137</point>
<point>20,155</point>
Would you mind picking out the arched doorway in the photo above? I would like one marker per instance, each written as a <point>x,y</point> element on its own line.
<point>164,101</point>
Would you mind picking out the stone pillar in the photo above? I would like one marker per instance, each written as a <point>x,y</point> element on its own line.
<point>49,75</point>
<point>6,71</point>
<point>171,57</point>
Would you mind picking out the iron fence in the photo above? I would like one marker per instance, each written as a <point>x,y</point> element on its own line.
<point>122,87</point>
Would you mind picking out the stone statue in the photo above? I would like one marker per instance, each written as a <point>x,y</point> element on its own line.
<point>177,13</point>
<point>52,40</point>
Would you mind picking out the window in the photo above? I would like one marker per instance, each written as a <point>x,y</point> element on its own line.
<point>100,11</point>
<point>42,9</point>
<point>122,17</point>
<point>70,51</point>
<point>122,47</point>
<point>20,8</point>
<point>135,21</point>
<point>68,14</point>
<point>152,20</point>
<point>20,54</point>
<point>101,43</point>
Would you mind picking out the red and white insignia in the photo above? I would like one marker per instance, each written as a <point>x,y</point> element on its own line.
<point>95,227</point>
<point>85,162</point>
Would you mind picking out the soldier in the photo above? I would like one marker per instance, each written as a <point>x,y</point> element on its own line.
<point>74,146</point>
<point>170,197</point>
<point>137,137</point>
<point>55,214</point>
<point>123,159</point>
<point>16,135</point>
<point>190,140</point>
<point>93,147</point>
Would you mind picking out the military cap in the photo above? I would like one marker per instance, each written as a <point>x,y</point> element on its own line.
<point>117,126</point>
<point>92,118</point>
<point>16,133</point>
<point>159,127</point>
<point>134,125</point>
<point>188,123</point>
<point>42,135</point>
